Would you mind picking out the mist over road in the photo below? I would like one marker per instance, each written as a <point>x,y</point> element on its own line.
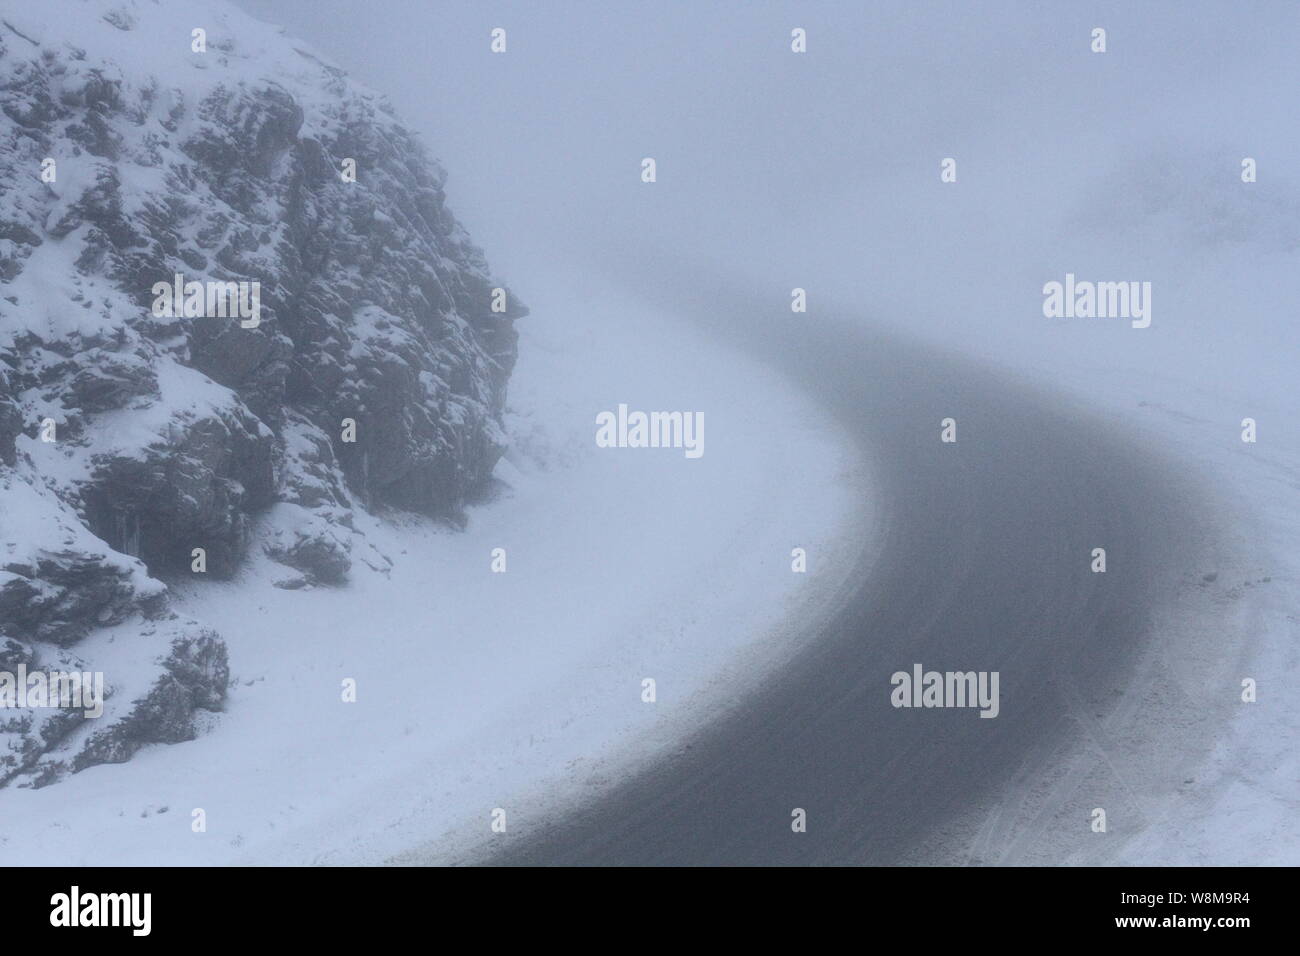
<point>985,566</point>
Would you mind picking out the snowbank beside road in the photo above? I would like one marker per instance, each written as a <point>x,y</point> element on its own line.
<point>479,690</point>
<point>1188,772</point>
<point>1207,777</point>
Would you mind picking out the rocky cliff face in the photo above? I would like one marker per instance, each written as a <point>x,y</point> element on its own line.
<point>142,141</point>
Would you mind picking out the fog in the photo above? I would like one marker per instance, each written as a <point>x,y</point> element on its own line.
<point>931,179</point>
<point>821,170</point>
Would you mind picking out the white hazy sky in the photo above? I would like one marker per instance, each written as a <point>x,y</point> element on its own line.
<point>821,170</point>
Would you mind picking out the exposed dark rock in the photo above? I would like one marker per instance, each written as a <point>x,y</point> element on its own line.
<point>195,676</point>
<point>57,581</point>
<point>374,372</point>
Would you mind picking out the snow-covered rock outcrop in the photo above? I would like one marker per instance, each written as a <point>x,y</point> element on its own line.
<point>141,141</point>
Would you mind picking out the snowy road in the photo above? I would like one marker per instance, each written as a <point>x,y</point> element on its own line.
<point>986,566</point>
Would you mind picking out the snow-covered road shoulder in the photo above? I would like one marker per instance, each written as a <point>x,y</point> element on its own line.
<point>1191,767</point>
<point>479,690</point>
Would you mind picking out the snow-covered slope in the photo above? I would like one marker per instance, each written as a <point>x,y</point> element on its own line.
<point>523,689</point>
<point>145,140</point>
<point>329,561</point>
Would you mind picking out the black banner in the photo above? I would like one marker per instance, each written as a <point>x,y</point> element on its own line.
<point>330,905</point>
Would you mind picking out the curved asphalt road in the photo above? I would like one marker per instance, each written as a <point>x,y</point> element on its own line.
<point>985,567</point>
